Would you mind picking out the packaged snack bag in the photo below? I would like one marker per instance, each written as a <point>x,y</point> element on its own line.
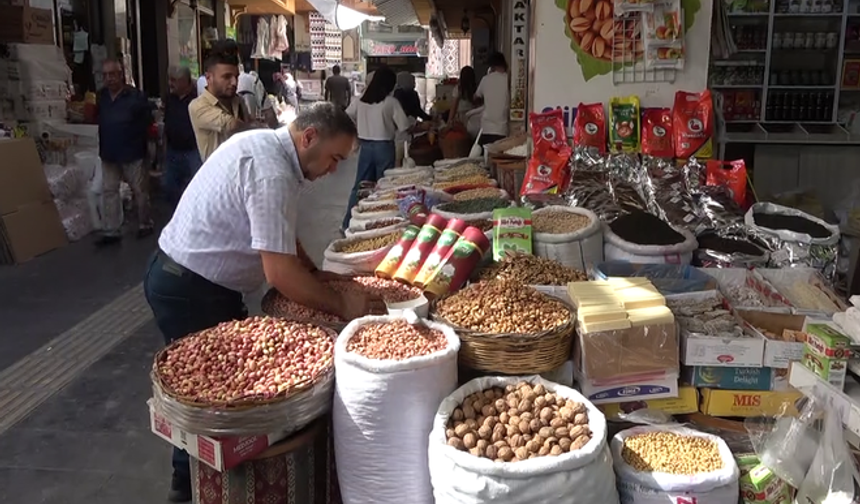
<point>548,130</point>
<point>547,173</point>
<point>624,124</point>
<point>589,127</point>
<point>657,133</point>
<point>693,125</point>
<point>730,174</point>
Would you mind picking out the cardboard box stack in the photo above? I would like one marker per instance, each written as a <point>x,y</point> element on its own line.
<point>34,79</point>
<point>826,353</point>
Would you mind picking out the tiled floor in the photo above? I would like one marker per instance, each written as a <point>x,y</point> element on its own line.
<point>90,442</point>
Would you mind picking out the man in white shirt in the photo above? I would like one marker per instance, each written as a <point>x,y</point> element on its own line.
<point>235,228</point>
<point>252,90</point>
<point>496,96</point>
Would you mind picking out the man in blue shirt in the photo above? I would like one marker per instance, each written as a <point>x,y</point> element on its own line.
<point>124,119</point>
<point>182,157</point>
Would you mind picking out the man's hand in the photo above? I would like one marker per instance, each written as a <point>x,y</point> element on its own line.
<point>357,305</point>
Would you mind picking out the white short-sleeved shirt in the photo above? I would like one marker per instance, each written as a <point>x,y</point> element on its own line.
<point>494,89</point>
<point>201,84</point>
<point>244,200</point>
<point>251,83</point>
<point>378,121</point>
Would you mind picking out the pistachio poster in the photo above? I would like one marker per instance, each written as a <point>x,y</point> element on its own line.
<point>600,40</point>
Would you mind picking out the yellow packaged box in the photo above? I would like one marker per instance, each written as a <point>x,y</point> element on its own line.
<point>748,403</point>
<point>686,402</point>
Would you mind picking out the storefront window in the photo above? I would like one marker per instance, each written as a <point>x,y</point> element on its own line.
<point>182,37</point>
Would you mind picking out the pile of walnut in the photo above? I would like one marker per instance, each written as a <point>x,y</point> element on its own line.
<point>517,423</point>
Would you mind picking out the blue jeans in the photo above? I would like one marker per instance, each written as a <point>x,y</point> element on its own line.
<point>374,158</point>
<point>183,302</point>
<point>180,167</point>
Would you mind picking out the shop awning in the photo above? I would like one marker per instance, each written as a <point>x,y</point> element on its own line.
<point>342,17</point>
<point>285,7</point>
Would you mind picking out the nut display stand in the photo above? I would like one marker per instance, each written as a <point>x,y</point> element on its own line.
<point>298,470</point>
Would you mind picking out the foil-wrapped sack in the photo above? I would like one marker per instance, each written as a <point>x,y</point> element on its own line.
<point>792,246</point>
<point>730,247</point>
<point>672,199</point>
<point>625,177</point>
<point>536,201</point>
<point>717,207</point>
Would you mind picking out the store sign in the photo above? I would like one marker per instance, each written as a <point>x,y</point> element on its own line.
<point>392,48</point>
<point>518,70</point>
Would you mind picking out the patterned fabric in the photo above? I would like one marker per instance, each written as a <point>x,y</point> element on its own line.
<point>243,200</point>
<point>447,60</point>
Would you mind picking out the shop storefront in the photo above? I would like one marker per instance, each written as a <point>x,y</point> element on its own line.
<point>190,32</point>
<point>403,48</point>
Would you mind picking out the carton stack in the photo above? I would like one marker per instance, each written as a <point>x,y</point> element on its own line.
<point>34,80</point>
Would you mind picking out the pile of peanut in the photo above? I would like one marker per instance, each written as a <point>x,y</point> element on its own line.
<point>558,222</point>
<point>479,193</point>
<point>355,245</point>
<point>518,423</point>
<point>502,307</point>
<point>671,453</point>
<point>532,270</point>
<point>259,357</point>
<point>396,340</point>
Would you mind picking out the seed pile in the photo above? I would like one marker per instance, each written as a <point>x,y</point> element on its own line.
<point>794,223</point>
<point>355,245</point>
<point>383,223</point>
<point>259,357</point>
<point>388,207</point>
<point>482,224</point>
<point>532,270</point>
<point>479,193</point>
<point>645,229</point>
<point>671,453</point>
<point>558,222</point>
<point>479,205</point>
<point>502,307</point>
<point>472,180</point>
<point>461,171</point>
<point>396,340</point>
<point>517,423</point>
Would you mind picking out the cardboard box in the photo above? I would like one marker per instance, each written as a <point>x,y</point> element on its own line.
<point>630,388</point>
<point>219,453</point>
<point>731,378</point>
<point>628,352</point>
<point>777,354</point>
<point>686,402</point>
<point>23,24</point>
<point>703,350</point>
<point>746,403</point>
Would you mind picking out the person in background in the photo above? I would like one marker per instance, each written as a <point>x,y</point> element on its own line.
<point>338,89</point>
<point>219,111</point>
<point>288,92</point>
<point>182,157</point>
<point>464,100</point>
<point>235,228</point>
<point>493,92</point>
<point>124,118</point>
<point>378,117</point>
<point>408,97</point>
<point>251,89</point>
<point>226,46</point>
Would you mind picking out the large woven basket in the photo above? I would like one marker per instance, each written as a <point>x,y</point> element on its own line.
<point>267,305</point>
<point>513,354</point>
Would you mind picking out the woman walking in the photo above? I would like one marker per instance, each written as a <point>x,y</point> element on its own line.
<point>378,117</point>
<point>464,101</point>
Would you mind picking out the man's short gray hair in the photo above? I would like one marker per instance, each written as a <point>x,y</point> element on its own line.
<point>180,72</point>
<point>327,118</point>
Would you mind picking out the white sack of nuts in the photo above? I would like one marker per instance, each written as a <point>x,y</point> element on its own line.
<point>561,469</point>
<point>571,236</point>
<point>391,374</point>
<point>359,255</point>
<point>668,463</point>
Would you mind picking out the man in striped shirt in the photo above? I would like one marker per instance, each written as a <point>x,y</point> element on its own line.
<point>235,228</point>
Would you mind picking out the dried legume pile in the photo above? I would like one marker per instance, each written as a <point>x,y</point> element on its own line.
<point>396,340</point>
<point>558,222</point>
<point>460,171</point>
<point>378,208</point>
<point>367,244</point>
<point>671,453</point>
<point>794,223</point>
<point>479,193</point>
<point>500,307</point>
<point>532,270</point>
<point>519,422</point>
<point>383,223</point>
<point>472,180</point>
<point>259,357</point>
<point>479,205</point>
<point>645,229</point>
<point>482,224</point>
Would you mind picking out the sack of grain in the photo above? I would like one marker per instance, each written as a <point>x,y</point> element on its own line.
<point>382,415</point>
<point>375,211</point>
<point>714,479</point>
<point>615,248</point>
<point>359,255</point>
<point>580,475</point>
<point>471,209</point>
<point>571,236</point>
<point>415,170</point>
<point>368,227</point>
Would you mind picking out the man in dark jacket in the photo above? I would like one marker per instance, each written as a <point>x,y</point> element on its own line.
<point>182,157</point>
<point>124,119</point>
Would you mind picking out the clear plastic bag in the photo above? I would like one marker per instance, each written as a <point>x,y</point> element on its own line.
<point>830,479</point>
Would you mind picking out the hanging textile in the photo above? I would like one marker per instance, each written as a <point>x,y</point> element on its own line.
<point>279,36</point>
<point>262,43</point>
<point>317,28</point>
<point>333,45</point>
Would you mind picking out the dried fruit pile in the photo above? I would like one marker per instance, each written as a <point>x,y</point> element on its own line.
<point>518,423</point>
<point>502,307</point>
<point>355,245</point>
<point>672,453</point>
<point>558,222</point>
<point>396,340</point>
<point>255,358</point>
<point>532,270</point>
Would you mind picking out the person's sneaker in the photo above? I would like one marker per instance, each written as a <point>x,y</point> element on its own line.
<point>180,489</point>
<point>107,240</point>
<point>145,231</point>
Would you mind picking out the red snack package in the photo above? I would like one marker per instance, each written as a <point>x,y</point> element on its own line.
<point>657,133</point>
<point>547,173</point>
<point>693,124</point>
<point>589,126</point>
<point>548,130</point>
<point>729,174</point>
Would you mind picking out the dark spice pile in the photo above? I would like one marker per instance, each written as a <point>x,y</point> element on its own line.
<point>711,241</point>
<point>790,223</point>
<point>480,205</point>
<point>645,229</point>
